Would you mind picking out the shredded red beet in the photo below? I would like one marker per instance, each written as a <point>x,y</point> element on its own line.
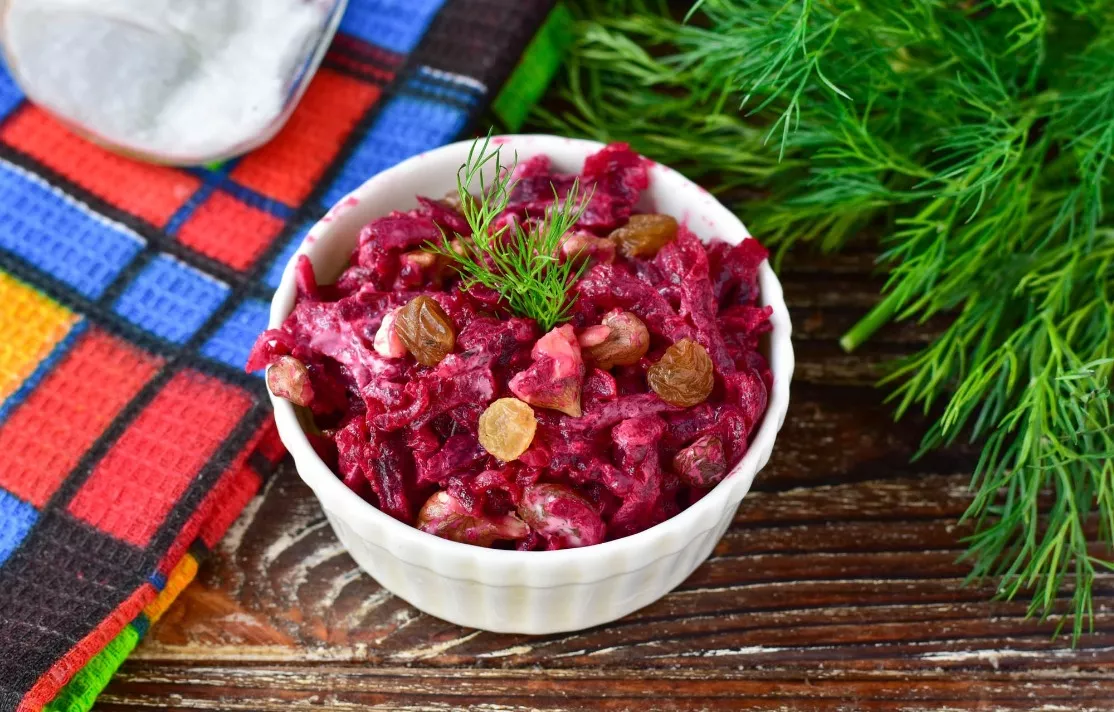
<point>609,457</point>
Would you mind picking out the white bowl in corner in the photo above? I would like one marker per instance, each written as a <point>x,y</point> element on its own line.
<point>538,591</point>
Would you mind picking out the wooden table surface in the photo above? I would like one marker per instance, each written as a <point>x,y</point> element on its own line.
<point>837,588</point>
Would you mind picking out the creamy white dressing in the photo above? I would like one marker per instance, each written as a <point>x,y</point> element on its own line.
<point>387,343</point>
<point>180,80</point>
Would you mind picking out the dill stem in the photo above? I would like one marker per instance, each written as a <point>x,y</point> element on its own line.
<point>875,319</point>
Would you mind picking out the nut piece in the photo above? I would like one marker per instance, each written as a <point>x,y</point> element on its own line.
<point>288,378</point>
<point>561,516</point>
<point>445,516</point>
<point>703,463</point>
<point>420,259</point>
<point>419,265</point>
<point>507,428</point>
<point>593,336</point>
<point>582,243</point>
<point>452,200</point>
<point>644,235</point>
<point>625,342</point>
<point>556,377</point>
<point>425,330</point>
<point>684,376</point>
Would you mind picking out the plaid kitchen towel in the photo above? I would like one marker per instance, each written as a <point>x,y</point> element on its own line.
<point>130,294</point>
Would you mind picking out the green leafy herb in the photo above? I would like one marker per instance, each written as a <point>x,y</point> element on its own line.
<point>976,137</point>
<point>522,263</point>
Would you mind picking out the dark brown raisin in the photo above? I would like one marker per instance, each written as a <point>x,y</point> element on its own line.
<point>425,330</point>
<point>644,235</point>
<point>684,376</point>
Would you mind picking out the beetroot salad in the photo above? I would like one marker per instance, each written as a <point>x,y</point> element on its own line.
<point>437,401</point>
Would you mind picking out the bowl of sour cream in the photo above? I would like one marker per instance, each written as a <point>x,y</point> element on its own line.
<point>183,82</point>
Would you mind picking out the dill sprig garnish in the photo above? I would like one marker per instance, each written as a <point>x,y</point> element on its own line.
<point>522,263</point>
<point>976,138</point>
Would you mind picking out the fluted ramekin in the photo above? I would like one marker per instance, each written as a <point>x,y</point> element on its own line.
<point>513,591</point>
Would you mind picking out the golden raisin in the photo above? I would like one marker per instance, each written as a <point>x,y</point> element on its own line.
<point>425,330</point>
<point>625,342</point>
<point>644,235</point>
<point>684,376</point>
<point>507,428</point>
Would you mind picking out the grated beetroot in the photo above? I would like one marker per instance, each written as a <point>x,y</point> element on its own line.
<point>609,457</point>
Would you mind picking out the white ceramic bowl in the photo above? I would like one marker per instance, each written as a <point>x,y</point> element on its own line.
<point>513,591</point>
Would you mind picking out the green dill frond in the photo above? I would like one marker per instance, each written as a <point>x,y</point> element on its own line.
<point>977,139</point>
<point>522,264</point>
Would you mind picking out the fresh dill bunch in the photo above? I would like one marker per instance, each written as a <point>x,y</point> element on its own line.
<point>975,138</point>
<point>521,263</point>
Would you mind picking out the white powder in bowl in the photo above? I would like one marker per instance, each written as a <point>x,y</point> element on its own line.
<point>180,80</point>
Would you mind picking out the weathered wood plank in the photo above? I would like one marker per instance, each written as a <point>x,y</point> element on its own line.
<point>798,584</point>
<point>405,689</point>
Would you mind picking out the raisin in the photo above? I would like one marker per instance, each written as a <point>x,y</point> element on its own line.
<point>684,376</point>
<point>622,340</point>
<point>644,235</point>
<point>425,330</point>
<point>507,428</point>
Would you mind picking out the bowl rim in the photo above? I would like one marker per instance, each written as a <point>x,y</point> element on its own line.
<point>337,498</point>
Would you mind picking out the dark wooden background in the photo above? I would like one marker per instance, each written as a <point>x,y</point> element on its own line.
<point>837,588</point>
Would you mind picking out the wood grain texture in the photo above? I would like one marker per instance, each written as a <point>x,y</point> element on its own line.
<point>837,588</point>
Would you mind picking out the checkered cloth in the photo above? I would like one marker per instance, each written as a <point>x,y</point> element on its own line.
<point>130,294</point>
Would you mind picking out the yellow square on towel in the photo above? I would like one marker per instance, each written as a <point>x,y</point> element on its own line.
<point>31,324</point>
